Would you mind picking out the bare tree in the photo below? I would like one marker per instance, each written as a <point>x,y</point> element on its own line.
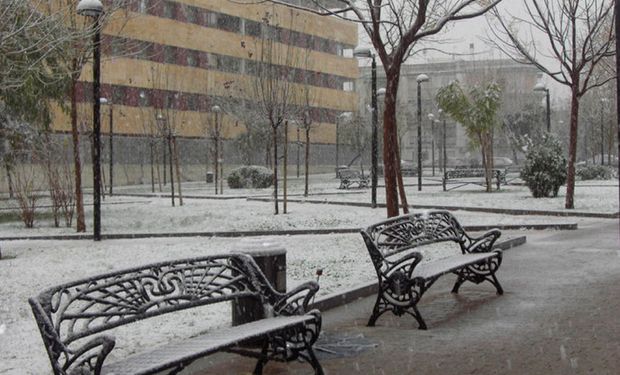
<point>394,28</point>
<point>273,87</point>
<point>578,35</point>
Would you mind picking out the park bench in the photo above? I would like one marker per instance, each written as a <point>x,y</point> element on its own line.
<point>348,177</point>
<point>475,176</point>
<point>396,245</point>
<point>71,317</point>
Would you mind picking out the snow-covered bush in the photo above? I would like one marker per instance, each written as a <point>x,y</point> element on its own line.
<point>594,172</point>
<point>253,176</point>
<point>545,168</point>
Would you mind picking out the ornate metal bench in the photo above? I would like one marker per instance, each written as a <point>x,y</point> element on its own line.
<point>71,317</point>
<point>403,274</point>
<point>348,177</point>
<point>464,176</point>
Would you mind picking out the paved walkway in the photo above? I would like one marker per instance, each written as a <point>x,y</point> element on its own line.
<point>560,315</point>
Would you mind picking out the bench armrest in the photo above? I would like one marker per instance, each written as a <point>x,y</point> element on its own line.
<point>482,244</point>
<point>295,301</point>
<point>405,264</point>
<point>91,355</point>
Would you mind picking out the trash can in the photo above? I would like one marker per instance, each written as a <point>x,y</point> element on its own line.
<point>209,177</point>
<point>271,259</point>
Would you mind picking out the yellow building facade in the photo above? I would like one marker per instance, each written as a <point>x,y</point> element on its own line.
<point>182,57</point>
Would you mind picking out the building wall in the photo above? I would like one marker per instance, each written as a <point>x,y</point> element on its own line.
<point>518,81</point>
<point>184,56</point>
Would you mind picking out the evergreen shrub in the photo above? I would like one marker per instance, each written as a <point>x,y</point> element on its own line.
<point>545,168</point>
<point>594,172</point>
<point>252,176</point>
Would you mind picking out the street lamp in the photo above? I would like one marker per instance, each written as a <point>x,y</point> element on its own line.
<point>94,9</point>
<point>367,53</point>
<point>420,78</point>
<point>111,135</point>
<point>540,87</point>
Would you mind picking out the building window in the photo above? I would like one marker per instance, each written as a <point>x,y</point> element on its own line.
<point>144,98</point>
<point>229,23</point>
<point>118,94</point>
<point>170,55</point>
<point>170,10</point>
<point>228,64</point>
<point>191,14</point>
<point>143,6</point>
<point>192,58</point>
<point>252,28</point>
<point>211,19</point>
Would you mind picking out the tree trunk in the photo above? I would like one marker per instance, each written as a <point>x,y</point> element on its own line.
<point>176,163</point>
<point>216,166</point>
<point>152,167</point>
<point>389,154</point>
<point>77,165</point>
<point>9,180</point>
<point>572,149</point>
<point>307,162</point>
<point>285,168</point>
<point>171,172</point>
<point>164,158</point>
<point>399,177</point>
<point>275,167</point>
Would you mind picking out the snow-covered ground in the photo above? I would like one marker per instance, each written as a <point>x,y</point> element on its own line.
<point>29,267</point>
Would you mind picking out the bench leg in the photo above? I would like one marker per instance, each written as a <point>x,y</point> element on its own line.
<point>382,305</point>
<point>477,273</point>
<point>262,360</point>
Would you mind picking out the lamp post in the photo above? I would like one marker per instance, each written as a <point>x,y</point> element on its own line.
<point>420,78</point>
<point>94,9</point>
<point>443,135</point>
<point>540,87</point>
<point>367,53</point>
<point>111,135</point>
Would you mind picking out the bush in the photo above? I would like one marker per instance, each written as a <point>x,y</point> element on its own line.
<point>545,168</point>
<point>253,176</point>
<point>594,172</point>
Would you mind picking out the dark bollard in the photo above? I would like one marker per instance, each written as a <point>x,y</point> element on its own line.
<point>271,259</point>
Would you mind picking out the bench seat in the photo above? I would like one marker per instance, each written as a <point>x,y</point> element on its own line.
<point>439,267</point>
<point>169,356</point>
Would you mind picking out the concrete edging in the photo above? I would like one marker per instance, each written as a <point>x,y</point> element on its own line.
<point>370,288</point>
<point>508,211</point>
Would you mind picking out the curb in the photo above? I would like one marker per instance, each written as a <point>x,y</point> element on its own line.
<point>507,211</point>
<point>258,233</point>
<point>370,288</point>
<point>222,197</point>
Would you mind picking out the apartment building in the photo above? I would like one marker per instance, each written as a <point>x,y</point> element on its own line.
<point>182,57</point>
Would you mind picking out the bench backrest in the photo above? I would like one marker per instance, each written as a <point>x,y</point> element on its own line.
<point>470,172</point>
<point>405,232</point>
<point>75,310</point>
<point>350,173</point>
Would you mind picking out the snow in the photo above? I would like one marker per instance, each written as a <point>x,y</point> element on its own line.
<point>29,266</point>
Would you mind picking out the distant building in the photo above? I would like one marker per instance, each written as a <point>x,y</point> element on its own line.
<point>518,81</point>
<point>184,55</point>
